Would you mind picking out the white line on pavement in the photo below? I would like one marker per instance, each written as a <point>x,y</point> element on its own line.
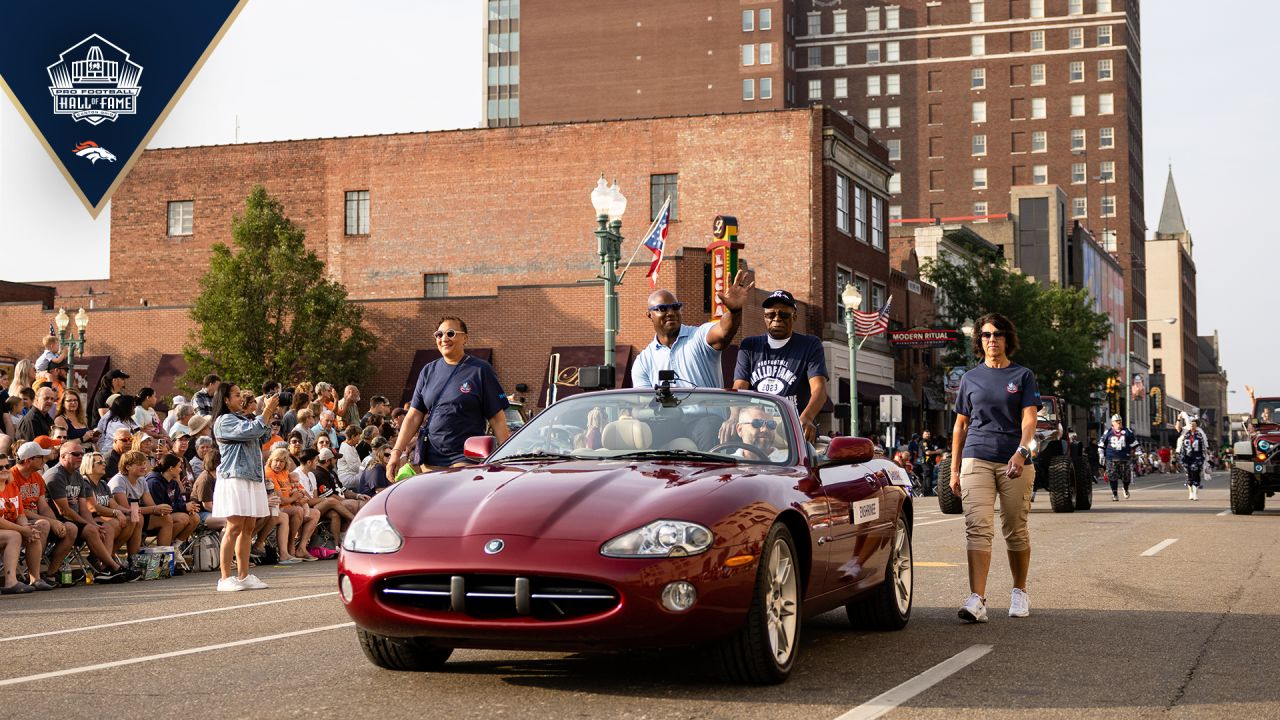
<point>892,698</point>
<point>1225,512</point>
<point>1158,547</point>
<point>164,656</point>
<point>1153,487</point>
<point>164,617</point>
<point>935,522</point>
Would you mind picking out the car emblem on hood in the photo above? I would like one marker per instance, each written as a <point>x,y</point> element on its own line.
<point>494,546</point>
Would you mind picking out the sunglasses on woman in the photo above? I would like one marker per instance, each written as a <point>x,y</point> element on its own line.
<point>986,335</point>
<point>447,334</point>
<point>5,464</point>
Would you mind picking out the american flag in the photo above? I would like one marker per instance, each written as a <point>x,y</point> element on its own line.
<point>872,323</point>
<point>656,241</point>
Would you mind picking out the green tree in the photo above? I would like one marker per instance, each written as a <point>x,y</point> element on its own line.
<point>1060,333</point>
<point>265,309</point>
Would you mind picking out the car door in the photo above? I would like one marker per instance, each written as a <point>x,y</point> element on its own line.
<point>854,496</point>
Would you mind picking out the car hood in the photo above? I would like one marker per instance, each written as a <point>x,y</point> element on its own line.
<point>588,500</point>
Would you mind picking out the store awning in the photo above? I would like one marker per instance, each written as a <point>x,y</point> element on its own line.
<point>171,367</point>
<point>934,398</point>
<point>565,361</point>
<point>907,392</point>
<point>420,360</point>
<point>869,392</point>
<point>89,372</point>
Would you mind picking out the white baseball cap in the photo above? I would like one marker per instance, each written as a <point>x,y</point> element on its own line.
<point>32,449</point>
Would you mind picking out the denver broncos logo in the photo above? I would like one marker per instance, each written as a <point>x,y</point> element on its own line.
<point>94,152</point>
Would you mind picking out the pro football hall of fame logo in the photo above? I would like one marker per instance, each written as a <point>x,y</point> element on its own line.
<point>94,81</point>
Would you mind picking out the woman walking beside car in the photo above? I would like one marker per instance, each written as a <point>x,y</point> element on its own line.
<point>990,461</point>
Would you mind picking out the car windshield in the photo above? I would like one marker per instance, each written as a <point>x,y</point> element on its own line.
<point>1268,411</point>
<point>1048,413</point>
<point>634,425</point>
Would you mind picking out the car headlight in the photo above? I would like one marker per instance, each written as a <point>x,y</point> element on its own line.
<point>1264,445</point>
<point>373,534</point>
<point>660,538</point>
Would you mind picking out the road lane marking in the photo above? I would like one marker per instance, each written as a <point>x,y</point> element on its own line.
<point>1158,547</point>
<point>1153,487</point>
<point>1225,512</point>
<point>892,698</point>
<point>165,617</point>
<point>165,656</point>
<point>933,564</point>
<point>935,522</point>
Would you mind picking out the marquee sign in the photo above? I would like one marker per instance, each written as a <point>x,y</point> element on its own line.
<point>923,337</point>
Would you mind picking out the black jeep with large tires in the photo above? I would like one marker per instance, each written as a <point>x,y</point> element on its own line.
<point>1255,472</point>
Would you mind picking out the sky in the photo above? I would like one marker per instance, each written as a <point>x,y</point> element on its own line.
<point>289,69</point>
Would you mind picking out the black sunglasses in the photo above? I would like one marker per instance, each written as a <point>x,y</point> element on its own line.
<point>666,307</point>
<point>447,334</point>
<point>76,454</point>
<point>777,315</point>
<point>5,465</point>
<point>759,423</point>
<point>997,334</point>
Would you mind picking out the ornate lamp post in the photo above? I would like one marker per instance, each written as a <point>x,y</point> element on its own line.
<point>609,204</point>
<point>1127,388</point>
<point>72,341</point>
<point>852,301</point>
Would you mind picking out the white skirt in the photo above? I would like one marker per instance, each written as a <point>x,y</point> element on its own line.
<point>239,497</point>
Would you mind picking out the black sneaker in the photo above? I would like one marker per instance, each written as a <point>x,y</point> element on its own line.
<point>108,576</point>
<point>131,575</point>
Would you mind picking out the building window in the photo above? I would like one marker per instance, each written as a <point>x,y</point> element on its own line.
<point>1155,340</point>
<point>1104,36</point>
<point>766,53</point>
<point>840,88</point>
<point>748,89</point>
<point>766,19</point>
<point>748,20</point>
<point>873,53</point>
<point>895,212</point>
<point>843,277</point>
<point>1109,240</point>
<point>877,222</point>
<point>895,149</point>
<point>1077,173</point>
<point>1104,6</point>
<point>892,52</point>
<point>1079,207</point>
<point>893,117</point>
<point>1037,40</point>
<point>841,21</point>
<point>841,53</point>
<point>873,19</point>
<point>891,17</point>
<point>815,89</point>
<point>1104,70</point>
<point>878,295</point>
<point>1106,137</point>
<point>660,188</point>
<point>1107,171</point>
<point>1075,7</point>
<point>815,57</point>
<point>748,54</point>
<point>873,118</point>
<point>1037,74</point>
<point>977,11</point>
<point>978,45</point>
<point>1039,109</point>
<point>1039,174</point>
<point>1075,71</point>
<point>815,24</point>
<point>873,85</point>
<point>435,285</point>
<point>1078,139</point>
<point>1075,38</point>
<point>977,78</point>
<point>1106,104</point>
<point>979,145</point>
<point>357,212</point>
<point>860,213</point>
<point>766,88</point>
<point>893,84</point>
<point>895,183</point>
<point>979,113</point>
<point>980,210</point>
<point>1077,105</point>
<point>181,215</point>
<point>1039,141</point>
<point>979,178</point>
<point>1037,9</point>
<point>1157,366</point>
<point>1108,206</point>
<point>842,202</point>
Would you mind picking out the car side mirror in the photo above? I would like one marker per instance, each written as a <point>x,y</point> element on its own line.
<point>479,447</point>
<point>846,450</point>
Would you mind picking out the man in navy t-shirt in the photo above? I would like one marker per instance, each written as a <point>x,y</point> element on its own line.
<point>458,401</point>
<point>784,363</point>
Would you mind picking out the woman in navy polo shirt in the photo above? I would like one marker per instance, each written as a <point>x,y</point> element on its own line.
<point>995,422</point>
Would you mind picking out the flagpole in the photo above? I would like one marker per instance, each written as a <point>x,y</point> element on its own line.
<point>652,225</point>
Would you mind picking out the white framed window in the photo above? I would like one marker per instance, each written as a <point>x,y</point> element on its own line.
<point>1079,207</point>
<point>1108,206</point>
<point>860,213</point>
<point>876,221</point>
<point>893,117</point>
<point>873,18</point>
<point>748,89</point>
<point>1104,6</point>
<point>766,88</point>
<point>1037,40</point>
<point>980,178</point>
<point>815,89</point>
<point>895,183</point>
<point>1075,38</point>
<point>892,51</point>
<point>840,55</point>
<point>893,84</point>
<point>1075,7</point>
<point>891,17</point>
<point>873,118</point>
<point>895,148</point>
<point>1077,105</point>
<point>748,54</point>
<point>841,19</point>
<point>842,202</point>
<point>978,145</point>
<point>1039,174</point>
<point>1075,71</point>
<point>873,53</point>
<point>748,20</point>
<point>1104,70</point>
<point>1106,137</point>
<point>1037,9</point>
<point>1039,108</point>
<point>1107,171</point>
<point>1039,141</point>
<point>978,45</point>
<point>978,113</point>
<point>977,78</point>
<point>766,53</point>
<point>1109,240</point>
<point>1106,104</point>
<point>873,85</point>
<point>895,212</point>
<point>814,56</point>
<point>766,19</point>
<point>977,11</point>
<point>357,222</point>
<point>182,215</point>
<point>1037,74</point>
<point>980,210</point>
<point>1104,36</point>
<point>1077,173</point>
<point>1078,139</point>
<point>815,24</point>
<point>840,88</point>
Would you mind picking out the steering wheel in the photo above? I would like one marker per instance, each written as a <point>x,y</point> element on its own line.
<point>740,446</point>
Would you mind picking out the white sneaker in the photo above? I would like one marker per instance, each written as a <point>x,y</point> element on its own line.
<point>251,582</point>
<point>1126,493</point>
<point>230,584</point>
<point>974,609</point>
<point>1019,603</point>
<point>1195,493</point>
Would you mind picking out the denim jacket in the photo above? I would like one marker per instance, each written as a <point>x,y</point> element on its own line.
<point>240,441</point>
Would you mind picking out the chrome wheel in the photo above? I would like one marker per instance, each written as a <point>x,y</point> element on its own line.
<point>900,567</point>
<point>780,601</point>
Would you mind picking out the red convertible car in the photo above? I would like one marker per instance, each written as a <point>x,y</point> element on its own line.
<point>635,518</point>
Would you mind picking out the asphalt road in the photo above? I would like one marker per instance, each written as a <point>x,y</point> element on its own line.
<point>1189,631</point>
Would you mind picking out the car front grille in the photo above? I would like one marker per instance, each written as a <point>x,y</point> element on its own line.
<point>500,596</point>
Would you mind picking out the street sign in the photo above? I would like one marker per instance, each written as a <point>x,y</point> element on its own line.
<point>923,337</point>
<point>891,408</point>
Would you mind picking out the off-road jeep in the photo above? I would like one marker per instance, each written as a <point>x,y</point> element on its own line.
<point>1255,474</point>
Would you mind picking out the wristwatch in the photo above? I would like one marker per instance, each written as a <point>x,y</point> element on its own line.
<point>1024,452</point>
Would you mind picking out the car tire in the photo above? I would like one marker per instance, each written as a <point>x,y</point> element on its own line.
<point>409,654</point>
<point>948,502</point>
<point>755,655</point>
<point>1061,484</point>
<point>1084,484</point>
<point>1242,493</point>
<point>889,606</point>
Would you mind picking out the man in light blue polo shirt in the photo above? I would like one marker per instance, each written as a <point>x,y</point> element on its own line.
<point>692,351</point>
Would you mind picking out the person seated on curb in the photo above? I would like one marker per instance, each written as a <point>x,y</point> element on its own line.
<point>349,465</point>
<point>105,507</point>
<point>16,533</point>
<point>373,479</point>
<point>202,491</point>
<point>35,503</point>
<point>291,505</point>
<point>160,521</point>
<point>298,493</point>
<point>162,484</point>
<point>73,502</point>
<point>328,507</point>
<point>130,490</point>
<point>327,483</point>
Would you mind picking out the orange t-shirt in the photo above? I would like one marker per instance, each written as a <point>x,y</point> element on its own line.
<point>11,505</point>
<point>281,482</point>
<point>266,448</point>
<point>31,488</point>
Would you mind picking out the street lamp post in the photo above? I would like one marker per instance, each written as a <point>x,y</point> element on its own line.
<point>1127,388</point>
<point>852,301</point>
<point>72,341</point>
<point>609,204</point>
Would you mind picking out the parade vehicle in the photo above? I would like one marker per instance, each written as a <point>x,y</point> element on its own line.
<point>1060,465</point>
<point>1255,472</point>
<point>653,533</point>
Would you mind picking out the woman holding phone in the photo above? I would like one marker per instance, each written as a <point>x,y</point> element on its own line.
<point>240,494</point>
<point>990,460</point>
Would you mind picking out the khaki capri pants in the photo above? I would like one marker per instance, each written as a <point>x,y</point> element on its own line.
<point>982,483</point>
